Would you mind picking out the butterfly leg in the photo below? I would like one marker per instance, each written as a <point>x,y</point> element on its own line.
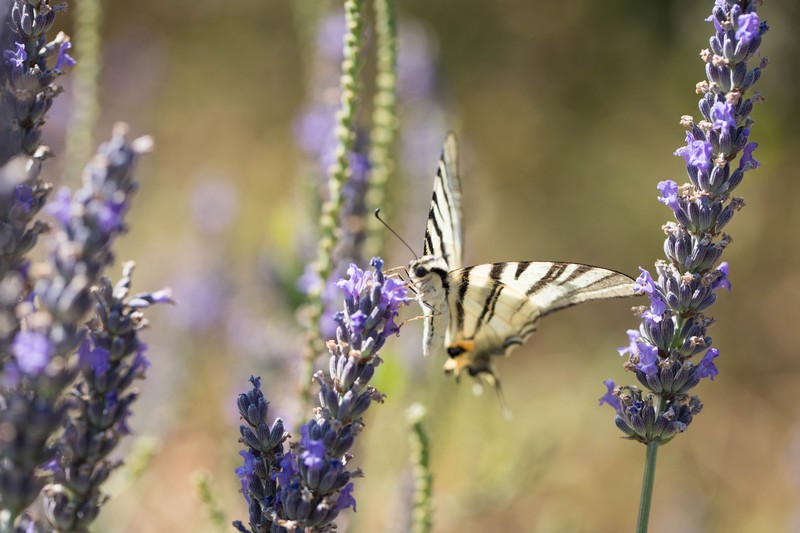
<point>412,319</point>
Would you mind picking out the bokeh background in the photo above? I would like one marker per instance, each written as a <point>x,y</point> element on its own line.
<point>568,116</point>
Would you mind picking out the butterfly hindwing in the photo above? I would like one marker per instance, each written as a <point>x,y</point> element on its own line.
<point>494,308</point>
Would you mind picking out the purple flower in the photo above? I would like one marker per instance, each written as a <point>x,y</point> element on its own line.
<point>245,473</point>
<point>722,280</point>
<point>747,161</point>
<point>394,295</point>
<point>357,321</point>
<point>707,368</point>
<point>93,358</point>
<point>644,283</point>
<point>288,470</point>
<point>696,153</point>
<point>16,57</point>
<point>609,397</point>
<point>648,358</point>
<point>314,456</point>
<point>109,214</point>
<point>60,206</point>
<point>63,59</point>
<point>346,498</point>
<point>23,197</point>
<point>747,28</point>
<point>356,283</point>
<point>724,117</point>
<point>669,194</point>
<point>657,309</point>
<point>32,351</point>
<point>717,25</point>
<point>633,337</point>
<point>140,362</point>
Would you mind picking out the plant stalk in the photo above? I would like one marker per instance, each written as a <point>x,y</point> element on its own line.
<point>648,480</point>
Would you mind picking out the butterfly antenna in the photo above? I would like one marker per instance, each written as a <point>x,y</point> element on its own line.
<point>378,216</point>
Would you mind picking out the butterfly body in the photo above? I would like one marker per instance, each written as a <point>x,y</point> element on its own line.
<point>474,314</point>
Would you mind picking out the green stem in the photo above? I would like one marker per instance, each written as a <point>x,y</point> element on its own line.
<point>339,174</point>
<point>384,116</point>
<point>422,513</point>
<point>80,143</point>
<point>648,481</point>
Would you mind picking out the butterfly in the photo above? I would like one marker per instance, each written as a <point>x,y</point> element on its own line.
<point>476,313</point>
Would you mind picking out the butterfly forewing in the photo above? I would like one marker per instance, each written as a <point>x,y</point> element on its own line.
<point>443,233</point>
<point>443,248</point>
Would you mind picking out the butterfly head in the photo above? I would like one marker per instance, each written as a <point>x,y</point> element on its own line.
<point>426,266</point>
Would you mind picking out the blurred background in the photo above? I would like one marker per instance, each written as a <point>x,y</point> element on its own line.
<point>568,116</point>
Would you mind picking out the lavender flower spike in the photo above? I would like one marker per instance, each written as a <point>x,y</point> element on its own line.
<point>673,331</point>
<point>51,322</point>
<point>110,359</point>
<point>306,489</point>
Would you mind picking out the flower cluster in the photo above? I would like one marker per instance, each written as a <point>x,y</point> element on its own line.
<point>28,86</point>
<point>110,358</point>
<point>306,488</point>
<point>674,327</point>
<point>50,320</point>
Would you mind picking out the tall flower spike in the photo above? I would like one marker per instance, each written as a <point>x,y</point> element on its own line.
<point>40,365</point>
<point>673,330</point>
<point>110,358</point>
<point>307,488</point>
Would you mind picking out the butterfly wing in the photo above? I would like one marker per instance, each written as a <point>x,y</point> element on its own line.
<point>494,308</point>
<point>444,235</point>
<point>443,248</point>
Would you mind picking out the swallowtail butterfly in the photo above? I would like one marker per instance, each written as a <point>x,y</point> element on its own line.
<point>478,312</point>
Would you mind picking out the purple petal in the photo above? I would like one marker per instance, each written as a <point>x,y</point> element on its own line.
<point>669,194</point>
<point>648,358</point>
<point>93,359</point>
<point>60,206</point>
<point>16,57</point>
<point>346,499</point>
<point>724,117</point>
<point>32,351</point>
<point>633,337</point>
<point>63,59</point>
<point>707,368</point>
<point>722,281</point>
<point>747,162</point>
<point>608,397</point>
<point>644,283</point>
<point>747,28</point>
